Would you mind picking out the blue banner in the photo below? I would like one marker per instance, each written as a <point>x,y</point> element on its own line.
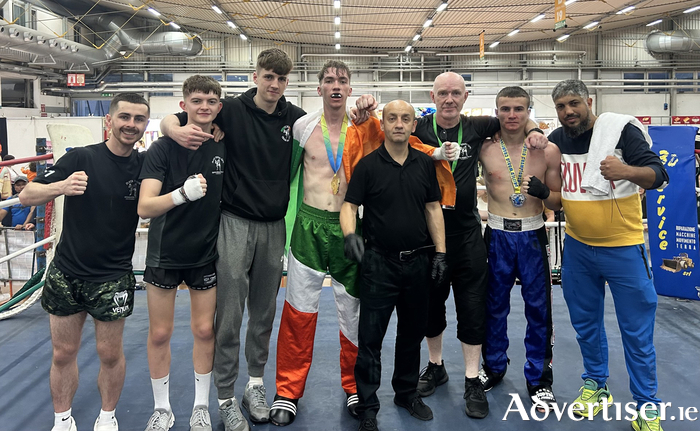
<point>672,215</point>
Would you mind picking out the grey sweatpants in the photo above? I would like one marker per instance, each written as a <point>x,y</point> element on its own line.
<point>249,269</point>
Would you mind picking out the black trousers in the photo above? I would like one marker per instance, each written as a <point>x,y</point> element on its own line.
<point>387,283</point>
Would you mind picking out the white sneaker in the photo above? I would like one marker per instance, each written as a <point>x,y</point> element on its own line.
<point>200,419</point>
<point>161,420</point>
<point>111,425</point>
<point>71,427</point>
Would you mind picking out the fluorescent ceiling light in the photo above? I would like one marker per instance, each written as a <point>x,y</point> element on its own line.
<point>569,2</point>
<point>337,35</point>
<point>658,21</point>
<point>537,18</point>
<point>514,32</point>
<point>337,46</point>
<point>692,9</point>
<point>337,20</point>
<point>563,38</point>
<point>216,9</point>
<point>495,44</point>
<point>174,24</point>
<point>442,7</point>
<point>231,24</point>
<point>336,4</point>
<point>408,48</point>
<point>153,11</point>
<point>244,37</point>
<point>416,37</point>
<point>428,22</point>
<point>625,10</point>
<point>591,25</point>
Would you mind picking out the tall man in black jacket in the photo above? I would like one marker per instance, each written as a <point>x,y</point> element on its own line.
<point>258,128</point>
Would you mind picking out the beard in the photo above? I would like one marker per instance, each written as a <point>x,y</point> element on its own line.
<point>576,131</point>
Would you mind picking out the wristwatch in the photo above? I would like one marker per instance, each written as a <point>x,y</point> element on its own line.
<point>534,129</point>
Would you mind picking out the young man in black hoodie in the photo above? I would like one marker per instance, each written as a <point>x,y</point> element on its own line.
<point>258,138</point>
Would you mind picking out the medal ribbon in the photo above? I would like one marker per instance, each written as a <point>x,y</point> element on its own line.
<point>516,181</point>
<point>335,161</point>
<point>459,139</point>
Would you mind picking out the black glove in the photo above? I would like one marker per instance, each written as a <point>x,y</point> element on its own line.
<point>354,247</point>
<point>439,271</point>
<point>537,189</point>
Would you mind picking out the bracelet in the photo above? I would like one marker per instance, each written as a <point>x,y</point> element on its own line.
<point>184,195</point>
<point>534,129</point>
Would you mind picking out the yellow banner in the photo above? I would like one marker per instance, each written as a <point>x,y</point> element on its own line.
<point>481,45</point>
<point>559,14</point>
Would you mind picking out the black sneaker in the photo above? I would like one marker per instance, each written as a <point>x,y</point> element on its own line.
<point>368,424</point>
<point>431,377</point>
<point>477,406</point>
<point>489,379</point>
<point>415,407</point>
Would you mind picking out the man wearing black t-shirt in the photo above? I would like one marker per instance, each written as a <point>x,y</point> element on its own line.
<point>398,187</point>
<point>92,272</point>
<point>466,252</point>
<point>181,190</point>
<point>258,140</point>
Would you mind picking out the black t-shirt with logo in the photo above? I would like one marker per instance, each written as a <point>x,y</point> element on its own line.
<point>259,151</point>
<point>185,236</point>
<point>465,215</point>
<point>99,226</point>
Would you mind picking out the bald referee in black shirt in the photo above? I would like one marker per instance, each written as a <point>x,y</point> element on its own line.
<point>398,187</point>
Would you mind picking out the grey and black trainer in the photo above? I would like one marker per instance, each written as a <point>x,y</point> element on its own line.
<point>232,417</point>
<point>255,403</point>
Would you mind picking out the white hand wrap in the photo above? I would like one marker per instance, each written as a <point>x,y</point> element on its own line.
<point>441,153</point>
<point>190,191</point>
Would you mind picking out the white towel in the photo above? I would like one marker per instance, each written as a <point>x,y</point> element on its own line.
<point>606,134</point>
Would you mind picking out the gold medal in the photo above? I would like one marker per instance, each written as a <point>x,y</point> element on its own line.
<point>335,184</point>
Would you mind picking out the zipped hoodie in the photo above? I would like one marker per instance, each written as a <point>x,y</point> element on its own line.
<point>258,156</point>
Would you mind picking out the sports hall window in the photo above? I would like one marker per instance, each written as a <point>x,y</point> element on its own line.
<point>659,87</point>
<point>633,75</point>
<point>685,76</point>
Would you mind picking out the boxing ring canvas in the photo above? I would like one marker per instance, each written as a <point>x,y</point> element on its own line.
<point>672,215</point>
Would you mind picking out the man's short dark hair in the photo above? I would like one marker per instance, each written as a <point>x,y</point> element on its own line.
<point>338,65</point>
<point>513,92</point>
<point>276,60</point>
<point>129,98</point>
<point>570,87</point>
<point>204,84</point>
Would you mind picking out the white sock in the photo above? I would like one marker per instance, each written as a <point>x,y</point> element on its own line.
<point>61,421</point>
<point>161,393</point>
<point>254,381</point>
<point>221,402</point>
<point>202,383</point>
<point>106,417</point>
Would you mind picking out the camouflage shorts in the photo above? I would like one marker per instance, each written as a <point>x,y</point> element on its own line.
<point>107,301</point>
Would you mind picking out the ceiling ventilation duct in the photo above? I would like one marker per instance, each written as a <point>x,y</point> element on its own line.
<point>50,50</point>
<point>687,41</point>
<point>173,43</point>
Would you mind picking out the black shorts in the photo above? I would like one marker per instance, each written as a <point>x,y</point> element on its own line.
<point>199,278</point>
<point>64,295</point>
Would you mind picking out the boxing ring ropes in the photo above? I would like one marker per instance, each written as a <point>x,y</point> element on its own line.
<point>49,220</point>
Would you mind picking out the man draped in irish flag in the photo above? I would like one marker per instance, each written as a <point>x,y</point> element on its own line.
<point>330,145</point>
